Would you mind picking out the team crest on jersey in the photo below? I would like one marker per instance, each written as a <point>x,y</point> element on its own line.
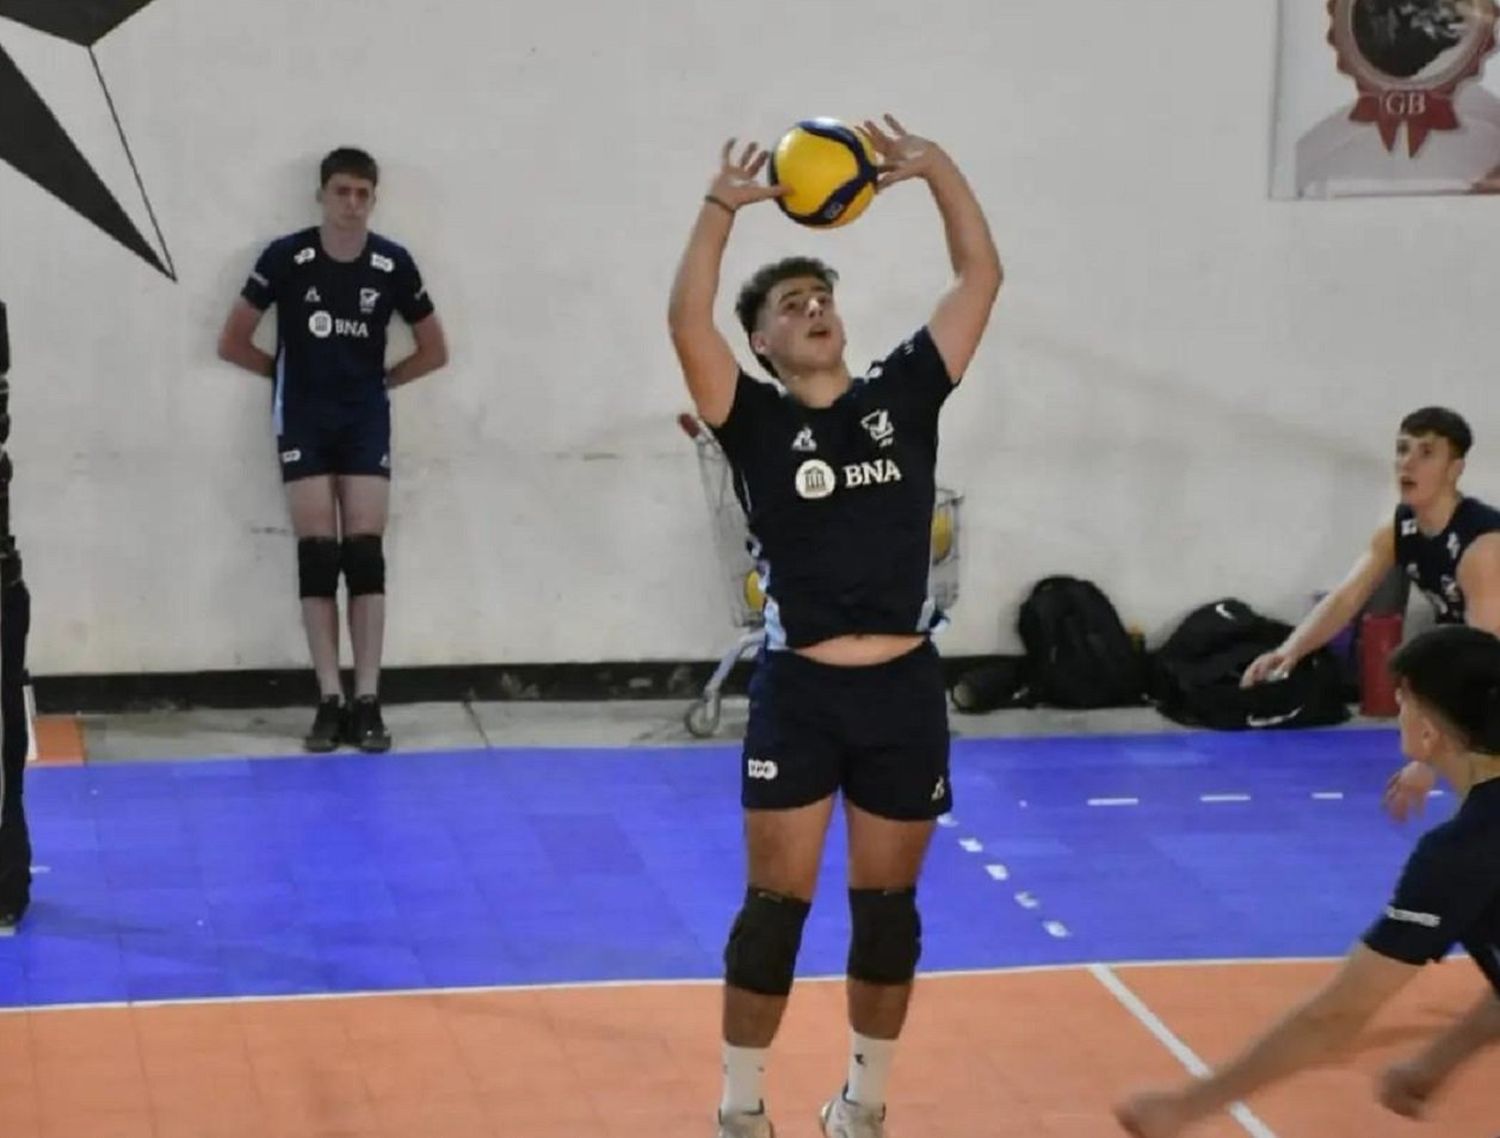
<point>368,299</point>
<point>304,255</point>
<point>815,479</point>
<point>1453,545</point>
<point>804,440</point>
<point>384,264</point>
<point>1408,526</point>
<point>878,423</point>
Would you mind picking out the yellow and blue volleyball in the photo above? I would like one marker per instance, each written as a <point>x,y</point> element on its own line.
<point>942,535</point>
<point>755,596</point>
<point>830,170</point>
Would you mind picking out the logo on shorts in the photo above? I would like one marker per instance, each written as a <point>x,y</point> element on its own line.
<point>939,788</point>
<point>1407,59</point>
<point>290,456</point>
<point>761,768</point>
<point>385,461</point>
<point>320,324</point>
<point>815,479</point>
<point>368,298</point>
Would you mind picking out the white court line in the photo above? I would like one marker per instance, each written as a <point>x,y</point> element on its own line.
<point>653,982</point>
<point>997,872</point>
<point>1328,795</point>
<point>1114,801</point>
<point>1168,1039</point>
<point>971,845</point>
<point>1223,798</point>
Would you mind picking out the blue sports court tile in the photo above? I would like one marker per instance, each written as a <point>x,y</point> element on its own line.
<point>179,880</point>
<point>374,966</point>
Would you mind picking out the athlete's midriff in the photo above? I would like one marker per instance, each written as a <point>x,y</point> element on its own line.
<point>860,650</point>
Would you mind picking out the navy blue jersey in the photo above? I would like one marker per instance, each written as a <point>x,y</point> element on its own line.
<point>1449,892</point>
<point>839,499</point>
<point>1432,562</point>
<point>331,316</point>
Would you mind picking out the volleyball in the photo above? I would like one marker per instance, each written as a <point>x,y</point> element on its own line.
<point>829,169</point>
<point>942,535</point>
<point>754,597</point>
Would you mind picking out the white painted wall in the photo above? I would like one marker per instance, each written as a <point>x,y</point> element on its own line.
<point>1188,390</point>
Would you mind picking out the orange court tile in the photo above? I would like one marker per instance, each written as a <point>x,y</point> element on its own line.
<point>1020,1054</point>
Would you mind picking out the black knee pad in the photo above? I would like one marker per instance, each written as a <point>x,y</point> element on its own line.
<point>761,955</point>
<point>364,564</point>
<point>886,939</point>
<point>318,567</point>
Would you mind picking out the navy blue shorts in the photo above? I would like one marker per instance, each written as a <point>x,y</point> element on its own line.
<point>879,734</point>
<point>353,439</point>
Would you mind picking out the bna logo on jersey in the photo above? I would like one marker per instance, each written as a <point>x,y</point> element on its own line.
<point>815,479</point>
<point>322,325</point>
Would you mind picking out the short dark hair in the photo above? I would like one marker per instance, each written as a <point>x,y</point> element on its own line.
<point>349,160</point>
<point>1442,422</point>
<point>1455,670</point>
<point>753,292</point>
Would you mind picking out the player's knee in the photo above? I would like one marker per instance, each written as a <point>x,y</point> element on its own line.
<point>318,566</point>
<point>364,564</point>
<point>886,935</point>
<point>762,952</point>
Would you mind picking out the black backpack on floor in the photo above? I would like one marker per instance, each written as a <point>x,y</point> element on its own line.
<point>992,685</point>
<point>1195,675</point>
<point>1078,654</point>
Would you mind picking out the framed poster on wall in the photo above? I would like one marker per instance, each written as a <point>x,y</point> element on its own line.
<point>1386,97</point>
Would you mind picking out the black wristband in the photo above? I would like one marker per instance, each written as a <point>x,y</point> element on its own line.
<point>725,206</point>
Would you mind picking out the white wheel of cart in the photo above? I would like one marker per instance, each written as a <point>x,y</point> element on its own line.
<point>702,718</point>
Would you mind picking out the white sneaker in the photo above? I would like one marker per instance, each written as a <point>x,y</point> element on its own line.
<point>841,1118</point>
<point>741,1124</point>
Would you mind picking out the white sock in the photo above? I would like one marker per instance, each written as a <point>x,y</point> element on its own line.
<point>869,1069</point>
<point>744,1075</point>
